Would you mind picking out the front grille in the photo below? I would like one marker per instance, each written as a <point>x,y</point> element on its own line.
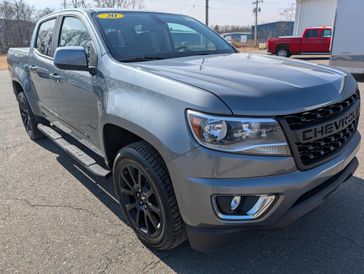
<point>309,118</point>
<point>319,135</point>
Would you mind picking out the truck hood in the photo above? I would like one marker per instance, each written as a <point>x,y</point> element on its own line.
<point>255,84</point>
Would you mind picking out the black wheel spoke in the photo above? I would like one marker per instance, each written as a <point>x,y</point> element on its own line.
<point>139,179</point>
<point>130,206</point>
<point>131,174</point>
<point>126,181</point>
<point>154,208</point>
<point>137,217</point>
<point>146,224</point>
<point>149,193</point>
<point>126,191</point>
<point>153,221</point>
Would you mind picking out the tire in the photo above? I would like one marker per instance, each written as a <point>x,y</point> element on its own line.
<point>283,52</point>
<point>30,121</point>
<point>147,198</point>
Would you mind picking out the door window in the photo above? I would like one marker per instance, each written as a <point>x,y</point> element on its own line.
<point>74,33</point>
<point>45,37</point>
<point>326,33</point>
<point>312,33</point>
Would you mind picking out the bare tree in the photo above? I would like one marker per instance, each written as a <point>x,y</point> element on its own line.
<point>24,15</point>
<point>74,4</point>
<point>289,13</point>
<point>232,28</point>
<point>43,12</point>
<point>17,23</point>
<point>136,4</point>
<point>127,4</point>
<point>7,14</point>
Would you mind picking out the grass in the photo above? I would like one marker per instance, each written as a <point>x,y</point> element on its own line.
<point>3,64</point>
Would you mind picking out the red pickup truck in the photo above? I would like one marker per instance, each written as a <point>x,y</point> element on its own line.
<point>313,41</point>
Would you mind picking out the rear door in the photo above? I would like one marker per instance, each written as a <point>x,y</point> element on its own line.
<point>41,65</point>
<point>311,41</point>
<point>77,90</point>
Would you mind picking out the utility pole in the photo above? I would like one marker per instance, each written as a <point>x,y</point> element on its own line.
<point>64,4</point>
<point>256,11</point>
<point>207,13</point>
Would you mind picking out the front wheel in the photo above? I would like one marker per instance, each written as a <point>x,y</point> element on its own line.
<point>146,196</point>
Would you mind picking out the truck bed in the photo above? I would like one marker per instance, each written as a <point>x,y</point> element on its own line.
<point>18,57</point>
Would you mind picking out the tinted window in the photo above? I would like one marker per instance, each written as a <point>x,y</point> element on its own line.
<point>74,33</point>
<point>131,35</point>
<point>326,33</point>
<point>45,37</point>
<point>312,33</point>
<point>185,38</point>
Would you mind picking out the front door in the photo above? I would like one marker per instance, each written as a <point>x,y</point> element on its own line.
<point>311,41</point>
<point>78,92</point>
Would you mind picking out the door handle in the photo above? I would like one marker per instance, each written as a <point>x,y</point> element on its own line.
<point>55,77</point>
<point>33,68</point>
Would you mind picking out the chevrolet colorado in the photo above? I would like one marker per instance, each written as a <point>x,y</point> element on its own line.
<point>202,142</point>
<point>312,41</point>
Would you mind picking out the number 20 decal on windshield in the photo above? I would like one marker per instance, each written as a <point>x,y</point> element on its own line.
<point>110,15</point>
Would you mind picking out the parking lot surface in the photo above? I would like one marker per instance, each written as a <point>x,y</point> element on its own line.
<point>55,217</point>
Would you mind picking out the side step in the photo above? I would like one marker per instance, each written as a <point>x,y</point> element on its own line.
<point>81,157</point>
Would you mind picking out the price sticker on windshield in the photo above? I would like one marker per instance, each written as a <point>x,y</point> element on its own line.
<point>112,15</point>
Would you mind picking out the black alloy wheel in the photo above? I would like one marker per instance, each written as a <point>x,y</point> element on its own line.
<point>141,203</point>
<point>30,121</point>
<point>146,195</point>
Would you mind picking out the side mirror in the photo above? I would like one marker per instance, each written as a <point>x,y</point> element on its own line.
<point>71,58</point>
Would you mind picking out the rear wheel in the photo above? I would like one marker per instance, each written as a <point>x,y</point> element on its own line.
<point>283,52</point>
<point>146,196</point>
<point>30,121</point>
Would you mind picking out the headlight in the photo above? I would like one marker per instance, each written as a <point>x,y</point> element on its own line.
<point>252,136</point>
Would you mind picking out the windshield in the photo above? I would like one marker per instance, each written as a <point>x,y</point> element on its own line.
<point>142,36</point>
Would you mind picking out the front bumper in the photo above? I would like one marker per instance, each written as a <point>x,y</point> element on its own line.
<point>272,176</point>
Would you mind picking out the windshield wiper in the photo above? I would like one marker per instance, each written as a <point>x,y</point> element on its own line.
<point>141,59</point>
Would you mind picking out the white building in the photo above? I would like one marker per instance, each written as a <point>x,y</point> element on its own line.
<point>314,13</point>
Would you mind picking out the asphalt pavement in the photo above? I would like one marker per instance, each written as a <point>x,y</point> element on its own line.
<point>57,218</point>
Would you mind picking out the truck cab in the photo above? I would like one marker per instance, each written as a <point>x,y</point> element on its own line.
<point>313,41</point>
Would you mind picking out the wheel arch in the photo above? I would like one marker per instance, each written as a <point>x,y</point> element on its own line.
<point>116,137</point>
<point>17,87</point>
<point>284,46</point>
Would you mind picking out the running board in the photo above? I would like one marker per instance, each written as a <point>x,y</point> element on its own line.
<point>81,157</point>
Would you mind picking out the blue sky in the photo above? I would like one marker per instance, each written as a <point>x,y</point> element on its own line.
<point>222,12</point>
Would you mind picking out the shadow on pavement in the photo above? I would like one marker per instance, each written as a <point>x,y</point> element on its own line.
<point>329,240</point>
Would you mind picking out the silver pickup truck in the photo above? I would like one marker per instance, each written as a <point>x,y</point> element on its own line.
<point>202,142</point>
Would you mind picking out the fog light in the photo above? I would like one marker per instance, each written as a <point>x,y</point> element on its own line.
<point>235,203</point>
<point>246,207</point>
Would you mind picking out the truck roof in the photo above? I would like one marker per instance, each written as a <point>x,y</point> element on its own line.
<point>92,10</point>
<point>322,27</point>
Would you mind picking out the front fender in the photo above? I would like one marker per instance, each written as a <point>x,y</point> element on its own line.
<point>154,107</point>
